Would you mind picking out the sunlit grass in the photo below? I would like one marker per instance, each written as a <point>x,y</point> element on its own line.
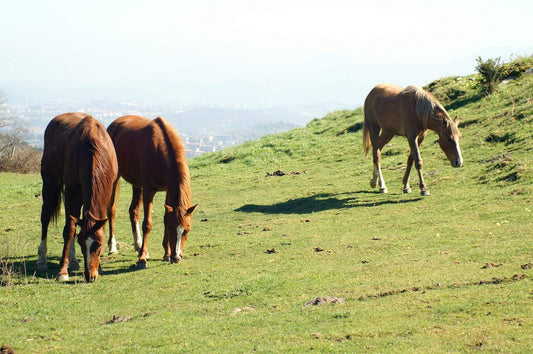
<point>447,272</point>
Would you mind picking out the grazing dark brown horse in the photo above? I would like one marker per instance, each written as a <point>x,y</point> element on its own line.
<point>79,161</point>
<point>409,112</point>
<point>152,158</point>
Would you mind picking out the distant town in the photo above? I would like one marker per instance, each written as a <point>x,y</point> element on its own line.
<point>203,128</point>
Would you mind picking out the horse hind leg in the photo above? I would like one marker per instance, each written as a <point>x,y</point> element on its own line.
<point>41,264</point>
<point>51,195</point>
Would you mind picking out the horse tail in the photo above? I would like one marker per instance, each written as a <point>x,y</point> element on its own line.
<point>54,202</point>
<point>367,143</point>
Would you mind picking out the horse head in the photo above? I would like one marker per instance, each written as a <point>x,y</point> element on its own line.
<point>449,139</point>
<point>92,241</point>
<point>178,223</point>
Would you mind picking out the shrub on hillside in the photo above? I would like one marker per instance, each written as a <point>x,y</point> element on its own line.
<point>491,74</point>
<point>516,67</point>
<point>493,71</point>
<point>20,158</point>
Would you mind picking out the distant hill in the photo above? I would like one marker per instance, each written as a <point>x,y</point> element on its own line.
<point>497,131</point>
<point>248,123</point>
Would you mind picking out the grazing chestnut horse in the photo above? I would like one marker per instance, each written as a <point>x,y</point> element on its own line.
<point>152,158</point>
<point>79,161</point>
<point>392,110</point>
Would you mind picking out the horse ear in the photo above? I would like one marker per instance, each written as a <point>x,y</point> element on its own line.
<point>99,224</point>
<point>191,209</point>
<point>75,220</point>
<point>456,120</point>
<point>168,209</point>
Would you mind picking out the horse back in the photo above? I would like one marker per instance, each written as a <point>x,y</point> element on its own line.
<point>79,154</point>
<point>57,136</point>
<point>388,107</point>
<point>147,150</point>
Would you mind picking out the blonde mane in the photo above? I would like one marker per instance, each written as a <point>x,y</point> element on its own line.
<point>425,104</point>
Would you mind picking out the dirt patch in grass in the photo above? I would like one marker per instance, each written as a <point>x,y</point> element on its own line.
<point>494,280</point>
<point>118,319</point>
<point>6,349</point>
<point>280,173</point>
<point>324,300</point>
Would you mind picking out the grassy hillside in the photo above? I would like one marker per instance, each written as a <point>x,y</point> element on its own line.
<point>447,272</point>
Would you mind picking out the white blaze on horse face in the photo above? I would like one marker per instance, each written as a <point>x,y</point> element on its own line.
<point>88,244</point>
<point>460,157</point>
<point>178,241</point>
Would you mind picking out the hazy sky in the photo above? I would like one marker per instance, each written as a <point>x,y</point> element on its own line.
<point>329,44</point>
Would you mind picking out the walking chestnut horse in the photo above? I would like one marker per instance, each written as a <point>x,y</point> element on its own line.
<point>408,112</point>
<point>152,158</point>
<point>79,161</point>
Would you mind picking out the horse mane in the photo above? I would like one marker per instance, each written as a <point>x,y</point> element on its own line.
<point>425,104</point>
<point>177,155</point>
<point>99,158</point>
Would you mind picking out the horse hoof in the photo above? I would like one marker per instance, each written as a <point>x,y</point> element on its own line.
<point>424,193</point>
<point>383,190</point>
<point>62,278</point>
<point>112,252</point>
<point>142,264</point>
<point>41,266</point>
<point>407,190</point>
<point>176,260</point>
<point>373,184</point>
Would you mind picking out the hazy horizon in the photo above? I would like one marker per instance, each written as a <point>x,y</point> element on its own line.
<point>248,52</point>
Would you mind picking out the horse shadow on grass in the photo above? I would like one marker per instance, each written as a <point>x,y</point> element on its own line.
<point>20,269</point>
<point>321,202</point>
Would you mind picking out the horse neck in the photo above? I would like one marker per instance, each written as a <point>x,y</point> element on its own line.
<point>178,188</point>
<point>97,184</point>
<point>433,124</point>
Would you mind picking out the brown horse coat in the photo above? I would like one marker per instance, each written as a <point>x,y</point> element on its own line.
<point>152,158</point>
<point>79,161</point>
<point>392,110</point>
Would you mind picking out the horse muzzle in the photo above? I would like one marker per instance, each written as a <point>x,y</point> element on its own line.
<point>457,163</point>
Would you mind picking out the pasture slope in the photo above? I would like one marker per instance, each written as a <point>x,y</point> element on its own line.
<point>448,272</point>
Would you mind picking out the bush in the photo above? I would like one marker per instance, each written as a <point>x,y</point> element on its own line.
<point>492,71</point>
<point>491,74</point>
<point>20,158</point>
<point>516,67</point>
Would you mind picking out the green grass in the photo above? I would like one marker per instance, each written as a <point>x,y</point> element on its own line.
<point>418,274</point>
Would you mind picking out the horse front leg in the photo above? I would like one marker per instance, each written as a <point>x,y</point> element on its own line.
<point>148,196</point>
<point>406,185</point>
<point>111,214</point>
<point>166,245</point>
<point>415,154</point>
<point>135,215</point>
<point>66,257</point>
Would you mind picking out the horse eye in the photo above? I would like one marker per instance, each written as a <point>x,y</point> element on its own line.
<point>450,140</point>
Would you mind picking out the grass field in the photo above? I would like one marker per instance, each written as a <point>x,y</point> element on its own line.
<point>448,272</point>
